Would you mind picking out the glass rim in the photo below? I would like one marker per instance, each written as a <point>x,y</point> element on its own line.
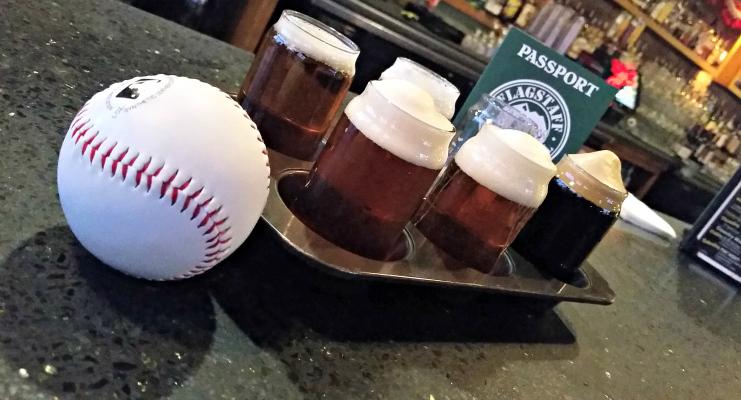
<point>607,188</point>
<point>509,109</point>
<point>406,113</point>
<point>351,48</point>
<point>426,70</point>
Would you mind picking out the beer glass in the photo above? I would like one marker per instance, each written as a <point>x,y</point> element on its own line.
<point>583,202</point>
<point>443,93</point>
<point>490,110</point>
<point>495,182</point>
<point>296,84</point>
<point>379,161</point>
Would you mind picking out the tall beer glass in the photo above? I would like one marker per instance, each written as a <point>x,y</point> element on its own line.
<point>378,163</point>
<point>495,182</point>
<point>443,93</point>
<point>296,84</point>
<point>583,202</point>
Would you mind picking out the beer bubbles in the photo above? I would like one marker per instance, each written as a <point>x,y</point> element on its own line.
<point>316,40</point>
<point>583,202</point>
<point>296,84</point>
<point>443,93</point>
<point>508,162</point>
<point>401,117</point>
<point>490,190</point>
<point>380,160</point>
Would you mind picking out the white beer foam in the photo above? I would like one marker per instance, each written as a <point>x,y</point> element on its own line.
<point>400,117</point>
<point>316,41</point>
<point>604,165</point>
<point>442,91</point>
<point>508,162</point>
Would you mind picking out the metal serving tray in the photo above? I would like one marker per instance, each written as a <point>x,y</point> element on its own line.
<point>423,263</point>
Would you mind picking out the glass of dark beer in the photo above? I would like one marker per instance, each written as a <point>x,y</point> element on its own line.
<point>494,184</point>
<point>583,202</point>
<point>296,84</point>
<point>443,93</point>
<point>378,163</point>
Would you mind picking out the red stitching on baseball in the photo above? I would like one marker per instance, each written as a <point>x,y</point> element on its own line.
<point>141,171</point>
<point>217,243</point>
<point>106,155</point>
<point>176,189</point>
<point>78,127</point>
<point>208,216</point>
<point>166,184</point>
<point>86,143</point>
<point>152,176</point>
<point>94,149</point>
<point>214,225</point>
<point>219,234</point>
<point>114,164</point>
<point>81,135</point>
<point>125,166</point>
<point>79,116</point>
<point>199,207</point>
<point>215,253</point>
<point>189,198</point>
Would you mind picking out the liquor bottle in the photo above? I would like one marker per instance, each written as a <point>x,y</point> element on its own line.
<point>494,6</point>
<point>511,9</point>
<point>526,14</point>
<point>662,10</point>
<point>622,22</point>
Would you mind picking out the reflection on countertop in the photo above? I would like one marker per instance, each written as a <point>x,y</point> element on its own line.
<point>265,325</point>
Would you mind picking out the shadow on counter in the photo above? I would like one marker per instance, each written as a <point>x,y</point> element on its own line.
<point>269,292</point>
<point>341,337</point>
<point>79,329</point>
<point>709,298</point>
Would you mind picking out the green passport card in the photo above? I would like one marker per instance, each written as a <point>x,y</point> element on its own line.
<point>563,98</point>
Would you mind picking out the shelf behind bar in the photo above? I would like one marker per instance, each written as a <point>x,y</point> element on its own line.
<point>480,16</point>
<point>664,34</point>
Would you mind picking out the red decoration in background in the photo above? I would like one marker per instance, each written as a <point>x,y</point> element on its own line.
<point>622,74</point>
<point>731,14</point>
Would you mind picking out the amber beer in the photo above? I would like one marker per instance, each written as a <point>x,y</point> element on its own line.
<point>301,74</point>
<point>583,202</point>
<point>378,163</point>
<point>494,184</point>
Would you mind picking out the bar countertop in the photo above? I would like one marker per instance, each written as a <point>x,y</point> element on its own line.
<point>263,325</point>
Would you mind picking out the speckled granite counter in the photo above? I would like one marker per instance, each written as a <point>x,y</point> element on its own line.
<point>263,325</point>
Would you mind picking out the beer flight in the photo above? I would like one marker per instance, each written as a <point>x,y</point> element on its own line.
<point>389,162</point>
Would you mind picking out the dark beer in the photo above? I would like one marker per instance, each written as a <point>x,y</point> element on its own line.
<point>380,160</point>
<point>486,195</point>
<point>581,206</point>
<point>301,74</point>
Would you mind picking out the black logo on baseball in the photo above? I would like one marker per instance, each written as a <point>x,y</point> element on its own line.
<point>135,88</point>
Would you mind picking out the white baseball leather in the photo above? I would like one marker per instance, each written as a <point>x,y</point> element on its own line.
<point>162,177</point>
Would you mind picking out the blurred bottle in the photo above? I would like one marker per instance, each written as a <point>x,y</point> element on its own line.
<point>511,10</point>
<point>661,10</point>
<point>495,6</point>
<point>621,23</point>
<point>527,12</point>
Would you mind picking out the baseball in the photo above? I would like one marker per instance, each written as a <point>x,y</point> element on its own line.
<point>162,177</point>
